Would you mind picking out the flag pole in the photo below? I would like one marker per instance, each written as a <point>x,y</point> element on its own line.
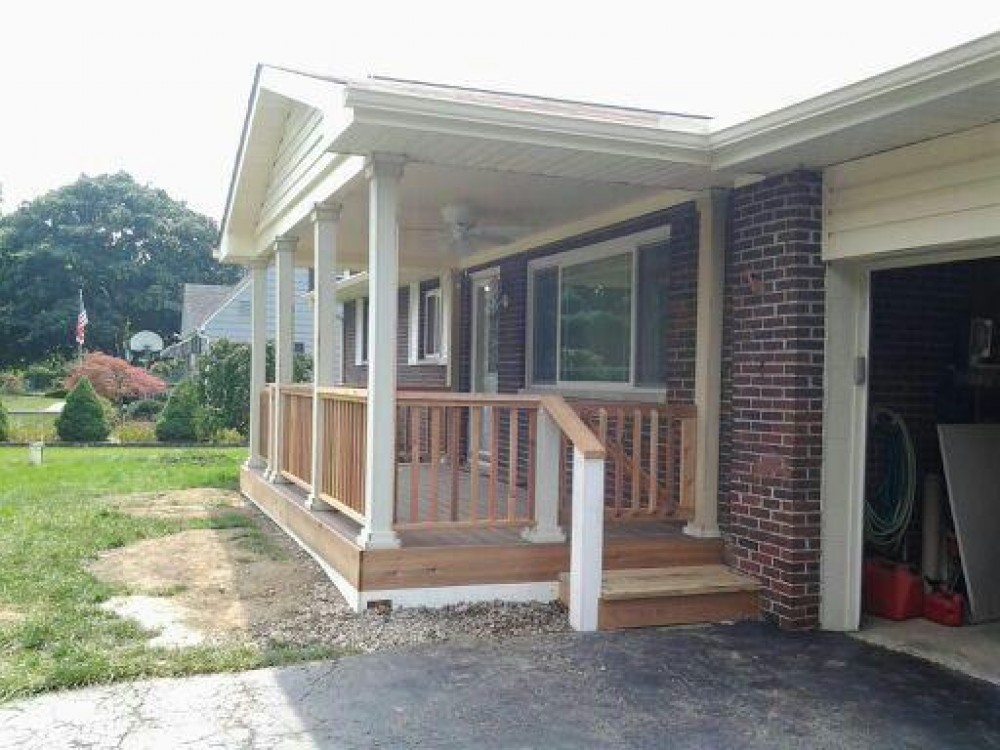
<point>79,338</point>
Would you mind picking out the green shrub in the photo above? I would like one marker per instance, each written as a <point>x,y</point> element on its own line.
<point>84,419</point>
<point>136,432</point>
<point>56,393</point>
<point>145,410</point>
<point>179,420</point>
<point>12,383</point>
<point>44,376</point>
<point>4,425</point>
<point>171,370</point>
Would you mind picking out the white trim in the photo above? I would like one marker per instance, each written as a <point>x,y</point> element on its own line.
<point>413,324</point>
<point>629,244</point>
<point>443,596</point>
<point>447,292</point>
<point>435,357</point>
<point>360,331</point>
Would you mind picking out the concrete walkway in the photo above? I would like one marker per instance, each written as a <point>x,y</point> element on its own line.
<point>745,686</point>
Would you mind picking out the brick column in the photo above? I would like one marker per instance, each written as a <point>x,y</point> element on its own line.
<point>772,393</point>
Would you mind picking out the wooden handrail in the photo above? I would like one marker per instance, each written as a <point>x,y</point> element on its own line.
<point>574,428</point>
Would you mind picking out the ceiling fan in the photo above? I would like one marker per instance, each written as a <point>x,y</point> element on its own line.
<point>465,232</point>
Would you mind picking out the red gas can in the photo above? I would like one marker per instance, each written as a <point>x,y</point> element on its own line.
<point>892,590</point>
<point>943,608</point>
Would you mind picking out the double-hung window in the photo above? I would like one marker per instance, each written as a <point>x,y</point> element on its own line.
<point>599,313</point>
<point>431,323</point>
<point>361,331</point>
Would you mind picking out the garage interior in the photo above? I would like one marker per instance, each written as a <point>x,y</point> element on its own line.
<point>931,568</point>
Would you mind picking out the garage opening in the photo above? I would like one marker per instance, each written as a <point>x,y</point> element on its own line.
<point>931,568</point>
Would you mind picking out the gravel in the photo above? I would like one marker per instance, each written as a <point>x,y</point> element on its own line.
<point>325,618</point>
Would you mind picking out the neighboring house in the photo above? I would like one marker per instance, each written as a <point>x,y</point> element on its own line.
<point>641,333</point>
<point>213,311</point>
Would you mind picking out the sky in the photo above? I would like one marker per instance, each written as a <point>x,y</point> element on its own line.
<point>159,89</point>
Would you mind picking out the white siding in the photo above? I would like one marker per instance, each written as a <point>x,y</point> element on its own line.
<point>939,192</point>
<point>232,320</point>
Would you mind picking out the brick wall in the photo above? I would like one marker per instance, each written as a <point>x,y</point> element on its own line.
<point>919,321</point>
<point>408,376</point>
<point>772,397</point>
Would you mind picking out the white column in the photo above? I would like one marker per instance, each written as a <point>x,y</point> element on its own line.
<point>587,542</point>
<point>708,360</point>
<point>258,357</point>
<point>384,173</point>
<point>325,221</point>
<point>547,448</point>
<point>284,346</point>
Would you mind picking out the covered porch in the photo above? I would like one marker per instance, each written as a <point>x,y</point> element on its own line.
<point>482,471</point>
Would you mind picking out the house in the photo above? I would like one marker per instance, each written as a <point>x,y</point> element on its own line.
<point>211,312</point>
<point>620,356</point>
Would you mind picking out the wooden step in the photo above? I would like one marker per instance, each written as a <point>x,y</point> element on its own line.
<point>647,597</point>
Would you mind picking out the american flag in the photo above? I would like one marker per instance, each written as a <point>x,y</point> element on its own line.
<point>81,322</point>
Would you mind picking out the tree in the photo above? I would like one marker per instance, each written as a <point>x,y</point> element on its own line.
<point>179,419</point>
<point>115,379</point>
<point>4,424</point>
<point>83,418</point>
<point>223,384</point>
<point>128,246</point>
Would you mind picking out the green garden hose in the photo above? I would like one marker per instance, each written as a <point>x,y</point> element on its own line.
<point>889,508</point>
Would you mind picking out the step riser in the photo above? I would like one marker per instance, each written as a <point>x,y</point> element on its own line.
<point>677,610</point>
<point>657,554</point>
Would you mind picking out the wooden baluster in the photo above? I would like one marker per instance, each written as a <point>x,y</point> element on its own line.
<point>689,461</point>
<point>475,423</point>
<point>636,459</point>
<point>668,461</point>
<point>435,458</point>
<point>530,487</point>
<point>654,441</point>
<point>514,424</point>
<point>414,464</point>
<point>456,460</point>
<point>491,512</point>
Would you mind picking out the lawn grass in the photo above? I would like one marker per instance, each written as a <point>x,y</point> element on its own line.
<point>53,519</point>
<point>27,403</point>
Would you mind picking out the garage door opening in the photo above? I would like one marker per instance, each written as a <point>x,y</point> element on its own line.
<point>931,553</point>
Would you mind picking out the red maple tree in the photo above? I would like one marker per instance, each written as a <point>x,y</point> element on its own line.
<point>115,379</point>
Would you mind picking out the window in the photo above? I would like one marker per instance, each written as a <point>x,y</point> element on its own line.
<point>431,322</point>
<point>361,331</point>
<point>599,314</point>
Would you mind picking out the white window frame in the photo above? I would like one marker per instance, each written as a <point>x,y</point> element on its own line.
<point>625,245</point>
<point>360,331</point>
<point>425,297</point>
<point>417,333</point>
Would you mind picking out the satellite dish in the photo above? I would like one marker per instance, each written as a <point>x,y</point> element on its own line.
<point>145,341</point>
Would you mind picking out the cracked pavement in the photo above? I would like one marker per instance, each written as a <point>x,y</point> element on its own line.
<point>741,686</point>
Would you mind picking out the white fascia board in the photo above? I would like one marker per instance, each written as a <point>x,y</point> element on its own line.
<point>325,95</point>
<point>425,114</point>
<point>926,80</point>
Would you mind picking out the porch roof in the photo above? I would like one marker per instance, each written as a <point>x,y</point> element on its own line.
<point>533,164</point>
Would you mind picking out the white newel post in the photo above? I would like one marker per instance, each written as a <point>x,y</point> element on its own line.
<point>384,173</point>
<point>284,346</point>
<point>548,444</point>
<point>587,542</point>
<point>258,358</point>
<point>708,361</point>
<point>325,221</point>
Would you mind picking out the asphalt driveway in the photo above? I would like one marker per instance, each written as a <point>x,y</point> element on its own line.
<point>744,686</point>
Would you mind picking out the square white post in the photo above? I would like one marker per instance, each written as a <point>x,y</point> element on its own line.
<point>258,358</point>
<point>708,361</point>
<point>325,222</point>
<point>587,543</point>
<point>384,173</point>
<point>284,345</point>
<point>547,447</point>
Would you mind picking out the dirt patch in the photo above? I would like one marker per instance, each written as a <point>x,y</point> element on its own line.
<point>255,583</point>
<point>9,615</point>
<point>191,503</point>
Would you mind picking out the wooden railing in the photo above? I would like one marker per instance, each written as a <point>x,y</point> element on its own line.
<point>342,468</point>
<point>651,458</point>
<point>296,436</point>
<point>464,460</point>
<point>266,397</point>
